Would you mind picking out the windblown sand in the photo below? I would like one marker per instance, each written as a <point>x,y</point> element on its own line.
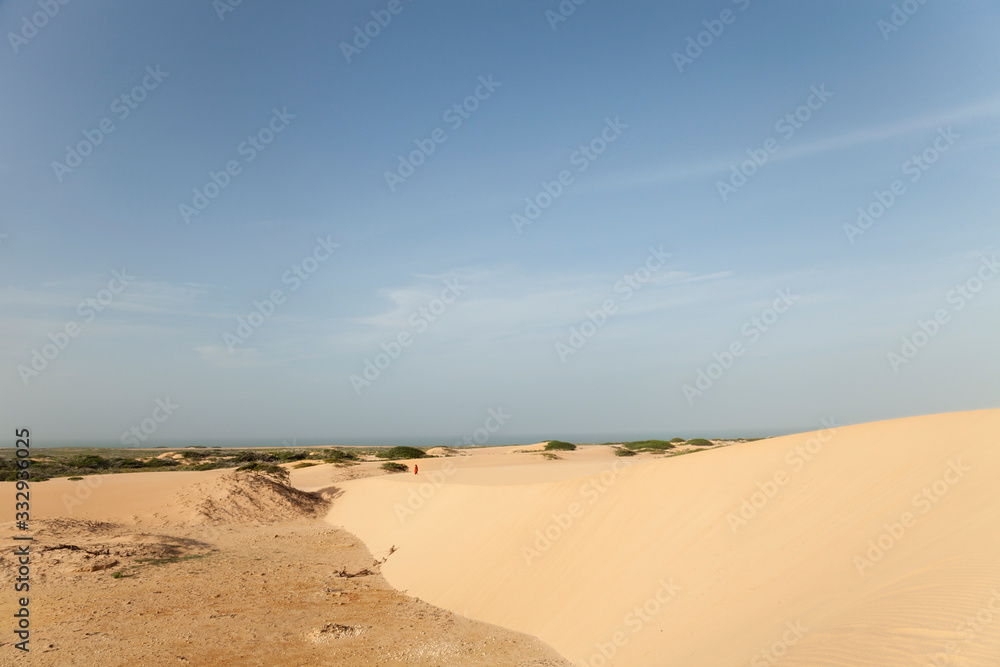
<point>876,544</point>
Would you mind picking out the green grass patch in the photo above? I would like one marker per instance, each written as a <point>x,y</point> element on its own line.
<point>392,466</point>
<point>699,442</point>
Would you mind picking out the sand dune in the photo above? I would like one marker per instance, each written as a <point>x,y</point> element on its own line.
<point>217,568</point>
<point>876,544</point>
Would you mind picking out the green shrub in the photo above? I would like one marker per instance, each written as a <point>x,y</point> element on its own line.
<point>75,479</point>
<point>677,440</point>
<point>305,464</point>
<point>699,442</point>
<point>392,466</point>
<point>246,456</point>
<point>278,473</point>
<point>622,451</point>
<point>397,453</point>
<point>559,446</point>
<point>338,455</point>
<point>127,463</point>
<point>648,445</point>
<point>89,461</point>
<point>287,456</point>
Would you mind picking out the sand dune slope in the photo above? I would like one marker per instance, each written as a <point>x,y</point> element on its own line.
<point>876,544</point>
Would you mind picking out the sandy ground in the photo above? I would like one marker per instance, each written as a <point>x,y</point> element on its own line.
<point>214,570</point>
<point>875,544</point>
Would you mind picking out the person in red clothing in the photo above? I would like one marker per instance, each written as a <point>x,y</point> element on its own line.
<point>415,468</point>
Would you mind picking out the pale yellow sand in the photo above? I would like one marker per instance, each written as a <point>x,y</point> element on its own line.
<point>651,565</point>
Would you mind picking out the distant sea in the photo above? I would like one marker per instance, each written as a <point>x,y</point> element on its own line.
<point>495,440</point>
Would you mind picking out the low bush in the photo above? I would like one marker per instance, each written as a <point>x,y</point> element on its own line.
<point>622,451</point>
<point>338,455</point>
<point>559,446</point>
<point>89,461</point>
<point>392,466</point>
<point>398,453</point>
<point>699,442</point>
<point>648,445</point>
<point>277,473</point>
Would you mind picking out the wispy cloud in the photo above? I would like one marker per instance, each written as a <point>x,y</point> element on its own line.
<point>851,139</point>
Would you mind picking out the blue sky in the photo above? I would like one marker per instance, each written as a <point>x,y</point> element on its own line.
<point>518,290</point>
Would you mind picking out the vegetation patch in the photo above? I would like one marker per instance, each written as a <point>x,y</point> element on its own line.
<point>399,453</point>
<point>700,442</point>
<point>622,451</point>
<point>277,473</point>
<point>339,456</point>
<point>648,445</point>
<point>392,466</point>
<point>559,446</point>
<point>166,561</point>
